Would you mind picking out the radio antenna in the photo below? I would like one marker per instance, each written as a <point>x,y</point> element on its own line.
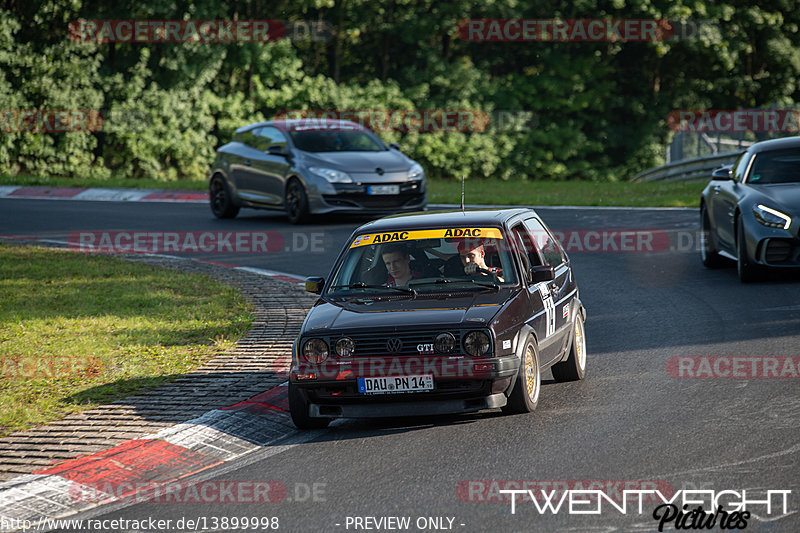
<point>463,177</point>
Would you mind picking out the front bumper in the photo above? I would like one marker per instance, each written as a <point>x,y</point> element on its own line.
<point>773,247</point>
<point>422,408</point>
<point>461,385</point>
<point>353,199</point>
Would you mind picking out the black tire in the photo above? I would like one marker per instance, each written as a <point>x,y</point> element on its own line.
<point>219,197</point>
<point>745,268</point>
<point>525,395</point>
<point>298,408</point>
<point>296,202</point>
<point>709,254</point>
<point>574,368</point>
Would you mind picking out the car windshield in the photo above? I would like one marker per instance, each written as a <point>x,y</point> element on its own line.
<point>335,141</point>
<point>776,166</point>
<point>425,261</point>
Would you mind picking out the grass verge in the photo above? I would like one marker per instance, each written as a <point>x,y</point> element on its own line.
<point>80,330</point>
<point>672,194</point>
<point>490,192</point>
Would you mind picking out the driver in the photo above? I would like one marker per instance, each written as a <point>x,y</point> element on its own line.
<point>398,265</point>
<point>473,257</point>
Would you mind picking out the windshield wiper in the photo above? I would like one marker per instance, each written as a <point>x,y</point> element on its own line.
<point>362,285</point>
<point>442,281</point>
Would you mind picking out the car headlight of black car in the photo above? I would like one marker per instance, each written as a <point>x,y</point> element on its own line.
<point>444,343</point>
<point>315,350</point>
<point>476,343</point>
<point>771,217</point>
<point>344,347</point>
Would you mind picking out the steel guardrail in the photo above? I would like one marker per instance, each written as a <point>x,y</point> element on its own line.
<point>687,169</point>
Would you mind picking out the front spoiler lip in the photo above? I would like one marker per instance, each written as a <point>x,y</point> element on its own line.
<point>420,408</point>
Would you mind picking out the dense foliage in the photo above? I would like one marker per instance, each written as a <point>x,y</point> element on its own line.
<point>599,108</point>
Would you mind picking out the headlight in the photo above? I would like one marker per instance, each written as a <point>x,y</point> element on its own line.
<point>771,217</point>
<point>315,350</point>
<point>476,343</point>
<point>416,172</point>
<point>444,342</point>
<point>333,176</point>
<point>345,347</point>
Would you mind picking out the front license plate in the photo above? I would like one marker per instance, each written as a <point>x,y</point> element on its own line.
<point>396,384</point>
<point>383,189</point>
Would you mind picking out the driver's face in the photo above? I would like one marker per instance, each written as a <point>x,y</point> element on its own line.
<point>396,264</point>
<point>472,256</point>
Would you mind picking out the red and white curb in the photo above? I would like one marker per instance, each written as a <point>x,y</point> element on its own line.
<point>216,437</point>
<point>101,195</point>
<point>117,474</point>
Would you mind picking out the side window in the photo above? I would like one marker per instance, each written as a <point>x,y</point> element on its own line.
<point>741,166</point>
<point>249,137</point>
<point>547,244</point>
<point>269,136</point>
<point>527,248</point>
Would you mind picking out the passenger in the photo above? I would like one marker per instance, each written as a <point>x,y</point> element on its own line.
<point>398,265</point>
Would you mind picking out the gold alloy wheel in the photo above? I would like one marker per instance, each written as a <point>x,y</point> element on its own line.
<point>531,375</point>
<point>580,344</point>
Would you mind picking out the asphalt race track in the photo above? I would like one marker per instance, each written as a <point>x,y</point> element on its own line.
<point>639,416</point>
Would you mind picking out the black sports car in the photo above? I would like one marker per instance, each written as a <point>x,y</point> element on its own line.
<point>432,313</point>
<point>750,212</point>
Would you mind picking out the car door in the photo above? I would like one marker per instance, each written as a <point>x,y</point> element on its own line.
<point>268,170</point>
<point>240,160</point>
<point>725,197</point>
<point>562,288</point>
<point>540,297</point>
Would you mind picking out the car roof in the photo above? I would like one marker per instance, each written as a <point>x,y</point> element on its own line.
<point>306,124</point>
<point>775,144</point>
<point>456,217</point>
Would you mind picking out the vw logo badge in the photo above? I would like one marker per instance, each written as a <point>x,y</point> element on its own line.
<point>394,345</point>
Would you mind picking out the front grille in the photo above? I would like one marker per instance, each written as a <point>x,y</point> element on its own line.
<point>376,343</point>
<point>778,251</point>
<point>371,344</point>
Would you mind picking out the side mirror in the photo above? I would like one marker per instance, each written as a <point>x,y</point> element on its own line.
<point>277,149</point>
<point>542,273</point>
<point>724,173</point>
<point>394,146</point>
<point>315,284</point>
